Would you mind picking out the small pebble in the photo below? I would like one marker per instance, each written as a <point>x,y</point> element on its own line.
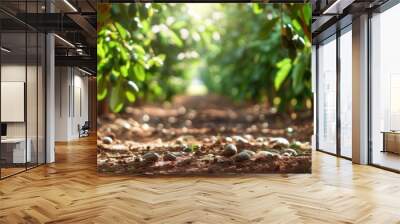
<point>107,140</point>
<point>213,139</point>
<point>169,157</point>
<point>172,120</point>
<point>229,150</point>
<point>291,152</point>
<point>251,153</point>
<point>240,140</point>
<point>280,143</point>
<point>286,154</point>
<point>177,154</point>
<point>119,147</point>
<point>260,139</point>
<point>188,123</point>
<point>265,156</point>
<point>146,118</point>
<point>185,162</point>
<point>228,140</point>
<point>151,157</point>
<point>242,156</point>
<point>248,137</point>
<point>179,141</point>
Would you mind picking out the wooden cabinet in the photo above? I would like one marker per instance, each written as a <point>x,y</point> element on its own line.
<point>391,142</point>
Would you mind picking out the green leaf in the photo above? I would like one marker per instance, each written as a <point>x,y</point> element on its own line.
<point>256,8</point>
<point>175,39</point>
<point>130,96</point>
<point>124,53</point>
<point>296,25</point>
<point>179,25</point>
<point>139,50</point>
<point>284,68</point>
<point>139,72</point>
<point>298,74</point>
<point>101,88</point>
<point>100,50</point>
<point>124,70</point>
<point>121,30</point>
<point>157,61</point>
<point>114,75</point>
<point>307,13</point>
<point>116,102</point>
<point>101,95</point>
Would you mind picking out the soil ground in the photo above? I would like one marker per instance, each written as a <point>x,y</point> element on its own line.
<point>203,135</point>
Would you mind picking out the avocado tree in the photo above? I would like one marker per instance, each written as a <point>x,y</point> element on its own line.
<point>137,50</point>
<point>264,53</point>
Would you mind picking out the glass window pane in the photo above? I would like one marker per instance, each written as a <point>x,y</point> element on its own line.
<point>14,153</point>
<point>327,96</point>
<point>32,97</point>
<point>41,98</point>
<point>22,83</point>
<point>385,84</point>
<point>15,150</point>
<point>346,94</point>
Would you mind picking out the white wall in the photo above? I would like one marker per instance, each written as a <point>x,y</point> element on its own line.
<point>80,110</point>
<point>71,94</point>
<point>61,103</point>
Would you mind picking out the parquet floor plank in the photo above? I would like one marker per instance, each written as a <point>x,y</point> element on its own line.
<point>71,191</point>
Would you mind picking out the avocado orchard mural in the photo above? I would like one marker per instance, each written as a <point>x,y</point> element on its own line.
<point>204,88</point>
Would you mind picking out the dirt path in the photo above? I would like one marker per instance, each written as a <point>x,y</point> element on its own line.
<point>203,134</point>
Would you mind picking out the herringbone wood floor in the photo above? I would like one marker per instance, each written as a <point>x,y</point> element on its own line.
<point>70,191</point>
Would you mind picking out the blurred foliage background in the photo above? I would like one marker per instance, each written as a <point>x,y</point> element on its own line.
<point>249,52</point>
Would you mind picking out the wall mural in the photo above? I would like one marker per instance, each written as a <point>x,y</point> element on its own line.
<point>204,89</point>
